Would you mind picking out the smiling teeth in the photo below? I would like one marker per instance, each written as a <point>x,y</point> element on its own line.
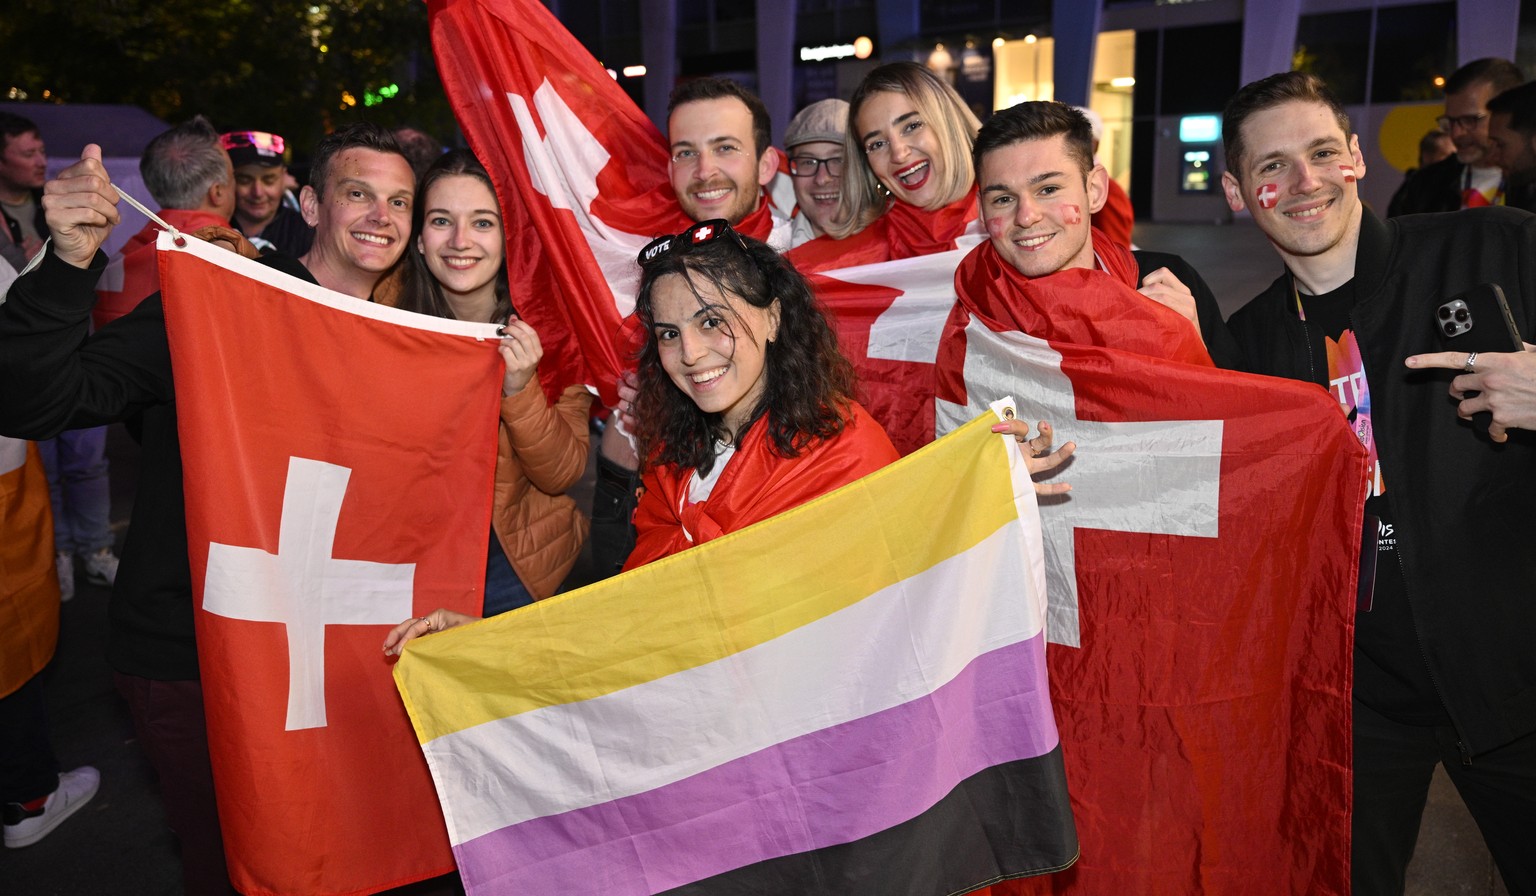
<point>371,238</point>
<point>461,262</point>
<point>825,197</point>
<point>1031,242</point>
<point>708,195</point>
<point>700,379</point>
<point>912,173</point>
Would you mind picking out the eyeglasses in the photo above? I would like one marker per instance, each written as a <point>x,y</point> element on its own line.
<point>261,141</point>
<point>702,232</point>
<point>806,166</point>
<point>1466,122</point>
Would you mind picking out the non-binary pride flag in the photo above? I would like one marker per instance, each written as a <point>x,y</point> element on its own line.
<point>338,462</point>
<point>871,717</point>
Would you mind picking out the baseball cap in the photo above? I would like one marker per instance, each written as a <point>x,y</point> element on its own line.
<point>253,148</point>
<point>824,120</point>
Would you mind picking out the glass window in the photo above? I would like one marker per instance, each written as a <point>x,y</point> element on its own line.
<point>1414,45</point>
<point>1206,87</point>
<point>1335,46</point>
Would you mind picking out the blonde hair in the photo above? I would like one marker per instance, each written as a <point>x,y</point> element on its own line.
<point>864,198</point>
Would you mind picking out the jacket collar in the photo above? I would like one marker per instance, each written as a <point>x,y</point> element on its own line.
<point>1372,254</point>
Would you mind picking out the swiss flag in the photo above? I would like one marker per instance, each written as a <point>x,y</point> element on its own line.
<point>338,460</point>
<point>1201,578</point>
<point>889,317</point>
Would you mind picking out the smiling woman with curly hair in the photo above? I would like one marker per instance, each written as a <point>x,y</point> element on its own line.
<point>745,405</point>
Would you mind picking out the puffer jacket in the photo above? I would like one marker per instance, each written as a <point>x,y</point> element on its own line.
<point>541,451</point>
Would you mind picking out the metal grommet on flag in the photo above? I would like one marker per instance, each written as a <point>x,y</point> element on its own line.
<point>176,236</point>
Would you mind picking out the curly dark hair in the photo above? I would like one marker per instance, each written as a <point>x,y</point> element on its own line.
<point>420,291</point>
<point>809,382</point>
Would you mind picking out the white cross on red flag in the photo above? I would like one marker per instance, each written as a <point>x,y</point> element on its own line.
<point>338,460</point>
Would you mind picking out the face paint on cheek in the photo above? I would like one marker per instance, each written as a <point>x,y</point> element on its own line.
<point>996,226</point>
<point>1348,172</point>
<point>1071,214</point>
<point>1268,195</point>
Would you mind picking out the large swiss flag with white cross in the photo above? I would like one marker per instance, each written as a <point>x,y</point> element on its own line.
<point>338,460</point>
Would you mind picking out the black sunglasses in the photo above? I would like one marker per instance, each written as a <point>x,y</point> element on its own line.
<point>702,232</point>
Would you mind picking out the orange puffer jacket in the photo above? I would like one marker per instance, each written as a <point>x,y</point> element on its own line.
<point>541,451</point>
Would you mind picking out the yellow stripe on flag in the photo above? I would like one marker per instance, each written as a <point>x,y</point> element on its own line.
<point>694,608</point>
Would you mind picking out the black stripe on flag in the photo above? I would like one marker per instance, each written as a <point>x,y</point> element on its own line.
<point>1011,820</point>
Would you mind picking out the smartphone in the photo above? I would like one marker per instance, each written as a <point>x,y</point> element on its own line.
<point>1478,320</point>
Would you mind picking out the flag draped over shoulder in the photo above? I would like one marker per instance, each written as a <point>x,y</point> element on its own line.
<point>1202,581</point>
<point>29,587</point>
<point>871,718</point>
<point>580,172</point>
<point>338,462</point>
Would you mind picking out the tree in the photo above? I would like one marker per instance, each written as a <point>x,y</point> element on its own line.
<point>296,68</point>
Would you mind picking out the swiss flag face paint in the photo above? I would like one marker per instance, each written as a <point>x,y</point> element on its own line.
<point>1349,173</point>
<point>1071,214</point>
<point>1268,195</point>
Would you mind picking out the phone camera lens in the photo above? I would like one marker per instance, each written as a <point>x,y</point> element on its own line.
<point>1462,315</point>
<point>1445,313</point>
<point>1450,329</point>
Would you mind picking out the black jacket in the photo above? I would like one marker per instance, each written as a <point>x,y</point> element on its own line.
<point>53,377</point>
<point>1465,508</point>
<point>1433,188</point>
<point>1218,339</point>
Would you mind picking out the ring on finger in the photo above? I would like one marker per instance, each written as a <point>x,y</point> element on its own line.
<point>1469,367</point>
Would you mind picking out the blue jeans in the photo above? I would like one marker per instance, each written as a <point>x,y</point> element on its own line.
<point>76,462</point>
<point>503,589</point>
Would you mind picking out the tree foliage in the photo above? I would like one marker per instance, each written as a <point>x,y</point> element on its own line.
<point>275,65</point>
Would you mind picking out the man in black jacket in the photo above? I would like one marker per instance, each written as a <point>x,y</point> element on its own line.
<point>1444,671</point>
<point>1470,178</point>
<point>53,376</point>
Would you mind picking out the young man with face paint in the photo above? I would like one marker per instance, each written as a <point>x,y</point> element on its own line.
<point>1443,670</point>
<point>53,376</point>
<point>1471,177</point>
<point>1038,187</point>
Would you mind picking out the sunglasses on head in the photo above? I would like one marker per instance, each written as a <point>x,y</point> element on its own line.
<point>258,140</point>
<point>702,232</point>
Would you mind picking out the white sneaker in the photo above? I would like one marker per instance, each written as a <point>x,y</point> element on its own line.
<point>23,828</point>
<point>101,567</point>
<point>66,565</point>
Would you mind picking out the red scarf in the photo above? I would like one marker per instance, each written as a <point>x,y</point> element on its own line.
<point>759,224</point>
<point>1077,306</point>
<point>904,231</point>
<point>756,484</point>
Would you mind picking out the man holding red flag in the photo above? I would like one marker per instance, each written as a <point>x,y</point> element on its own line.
<point>1039,187</point>
<point>57,378</point>
<point>1443,670</point>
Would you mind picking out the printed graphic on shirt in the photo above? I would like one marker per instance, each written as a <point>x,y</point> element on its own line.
<point>1346,378</point>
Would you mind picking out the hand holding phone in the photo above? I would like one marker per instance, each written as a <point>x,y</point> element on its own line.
<point>1479,337</point>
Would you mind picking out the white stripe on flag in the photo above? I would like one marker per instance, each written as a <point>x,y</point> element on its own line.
<point>899,644</point>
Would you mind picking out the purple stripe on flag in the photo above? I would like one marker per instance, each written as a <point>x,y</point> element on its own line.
<point>826,788</point>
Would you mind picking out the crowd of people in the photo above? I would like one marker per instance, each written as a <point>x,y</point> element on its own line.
<point>741,404</point>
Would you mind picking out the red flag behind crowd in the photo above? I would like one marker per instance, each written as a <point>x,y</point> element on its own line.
<point>338,465</point>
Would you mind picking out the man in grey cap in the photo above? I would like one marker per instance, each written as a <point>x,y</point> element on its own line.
<point>814,144</point>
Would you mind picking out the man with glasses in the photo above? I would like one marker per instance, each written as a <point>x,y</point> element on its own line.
<point>260,213</point>
<point>1471,178</point>
<point>814,143</point>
